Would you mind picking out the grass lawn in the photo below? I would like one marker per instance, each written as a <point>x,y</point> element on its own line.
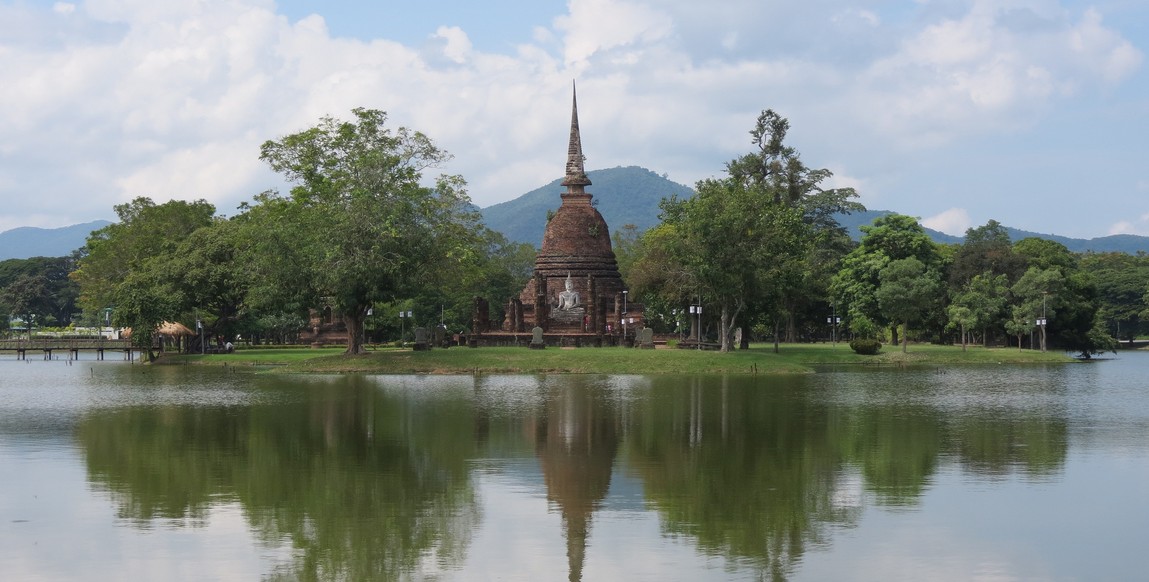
<point>760,358</point>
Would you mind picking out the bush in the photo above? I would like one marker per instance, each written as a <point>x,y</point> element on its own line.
<point>866,347</point>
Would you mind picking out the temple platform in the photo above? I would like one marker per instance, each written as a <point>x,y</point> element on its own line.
<point>556,339</point>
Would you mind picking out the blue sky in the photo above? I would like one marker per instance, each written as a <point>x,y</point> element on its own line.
<point>1030,112</point>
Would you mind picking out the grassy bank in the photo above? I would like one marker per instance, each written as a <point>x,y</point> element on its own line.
<point>792,358</point>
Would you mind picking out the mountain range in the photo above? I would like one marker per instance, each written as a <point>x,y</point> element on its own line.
<point>625,195</point>
<point>631,195</point>
<point>28,241</point>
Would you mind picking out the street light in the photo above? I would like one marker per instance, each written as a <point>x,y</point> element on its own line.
<point>834,320</point>
<point>697,310</point>
<point>403,316</point>
<point>624,294</point>
<point>1044,294</point>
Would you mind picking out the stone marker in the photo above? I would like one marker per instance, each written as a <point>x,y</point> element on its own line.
<point>646,338</point>
<point>537,339</point>
<point>422,339</point>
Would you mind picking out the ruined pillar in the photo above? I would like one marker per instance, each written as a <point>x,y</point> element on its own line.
<point>542,311</point>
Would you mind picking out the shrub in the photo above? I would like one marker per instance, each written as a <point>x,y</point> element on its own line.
<point>866,347</point>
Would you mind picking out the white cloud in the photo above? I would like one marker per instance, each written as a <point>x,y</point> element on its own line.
<point>458,45</point>
<point>594,26</point>
<point>954,221</point>
<point>982,72</point>
<point>172,99</point>
<point>1138,226</point>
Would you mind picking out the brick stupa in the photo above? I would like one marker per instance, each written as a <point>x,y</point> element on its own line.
<point>576,247</point>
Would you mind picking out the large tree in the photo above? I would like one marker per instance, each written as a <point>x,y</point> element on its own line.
<point>855,287</point>
<point>775,170</point>
<point>734,245</point>
<point>747,242</point>
<point>358,226</point>
<point>38,286</point>
<point>906,291</point>
<point>123,265</point>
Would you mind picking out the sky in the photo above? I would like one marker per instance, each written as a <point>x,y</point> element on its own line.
<point>1034,113</point>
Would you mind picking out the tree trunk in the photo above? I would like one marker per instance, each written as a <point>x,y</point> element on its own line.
<point>775,335</point>
<point>963,337</point>
<point>894,334</point>
<point>905,337</point>
<point>354,321</point>
<point>726,325</point>
<point>791,327</point>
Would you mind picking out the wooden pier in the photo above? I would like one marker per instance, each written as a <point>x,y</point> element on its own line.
<point>50,346</point>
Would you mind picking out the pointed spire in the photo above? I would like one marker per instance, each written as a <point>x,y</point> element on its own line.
<point>576,177</point>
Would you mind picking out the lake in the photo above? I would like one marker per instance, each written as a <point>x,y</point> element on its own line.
<point>114,471</point>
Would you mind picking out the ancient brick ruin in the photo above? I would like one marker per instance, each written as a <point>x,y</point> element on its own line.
<point>576,293</point>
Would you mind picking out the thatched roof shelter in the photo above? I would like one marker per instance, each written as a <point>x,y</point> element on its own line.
<point>168,328</point>
<point>173,329</point>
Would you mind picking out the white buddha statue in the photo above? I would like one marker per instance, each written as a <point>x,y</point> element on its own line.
<point>568,299</point>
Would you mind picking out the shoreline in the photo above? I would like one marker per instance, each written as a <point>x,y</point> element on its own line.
<point>759,359</point>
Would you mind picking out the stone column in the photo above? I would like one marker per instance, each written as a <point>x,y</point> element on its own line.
<point>542,311</point>
<point>592,306</point>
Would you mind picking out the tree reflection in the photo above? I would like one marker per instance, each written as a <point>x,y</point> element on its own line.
<point>364,484</point>
<point>372,483</point>
<point>750,476</point>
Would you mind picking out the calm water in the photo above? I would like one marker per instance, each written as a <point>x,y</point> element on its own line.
<point>112,471</point>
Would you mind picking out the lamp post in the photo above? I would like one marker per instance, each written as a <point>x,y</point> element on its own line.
<point>696,310</point>
<point>624,294</point>
<point>403,316</point>
<point>1044,294</point>
<point>370,312</point>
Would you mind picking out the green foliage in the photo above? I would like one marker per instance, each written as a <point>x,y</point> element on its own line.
<point>126,266</point>
<point>755,244</point>
<point>1122,282</point>
<point>38,287</point>
<point>906,292</point>
<point>865,347</point>
<point>856,286</point>
<point>986,249</point>
<point>359,227</point>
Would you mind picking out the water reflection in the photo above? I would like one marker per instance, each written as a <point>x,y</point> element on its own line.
<point>576,438</point>
<point>374,478</point>
<point>362,484</point>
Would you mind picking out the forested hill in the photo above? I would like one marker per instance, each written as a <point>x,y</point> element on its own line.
<point>1118,243</point>
<point>27,241</point>
<point>623,195</point>
<point>631,195</point>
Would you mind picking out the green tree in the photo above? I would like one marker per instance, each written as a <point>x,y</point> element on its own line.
<point>985,249</point>
<point>123,264</point>
<point>1040,292</point>
<point>1122,280</point>
<point>905,292</point>
<point>737,247</point>
<point>963,317</point>
<point>1077,300</point>
<point>40,286</point>
<point>855,287</point>
<point>776,171</point>
<point>984,296</point>
<point>359,227</point>
<point>209,277</point>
